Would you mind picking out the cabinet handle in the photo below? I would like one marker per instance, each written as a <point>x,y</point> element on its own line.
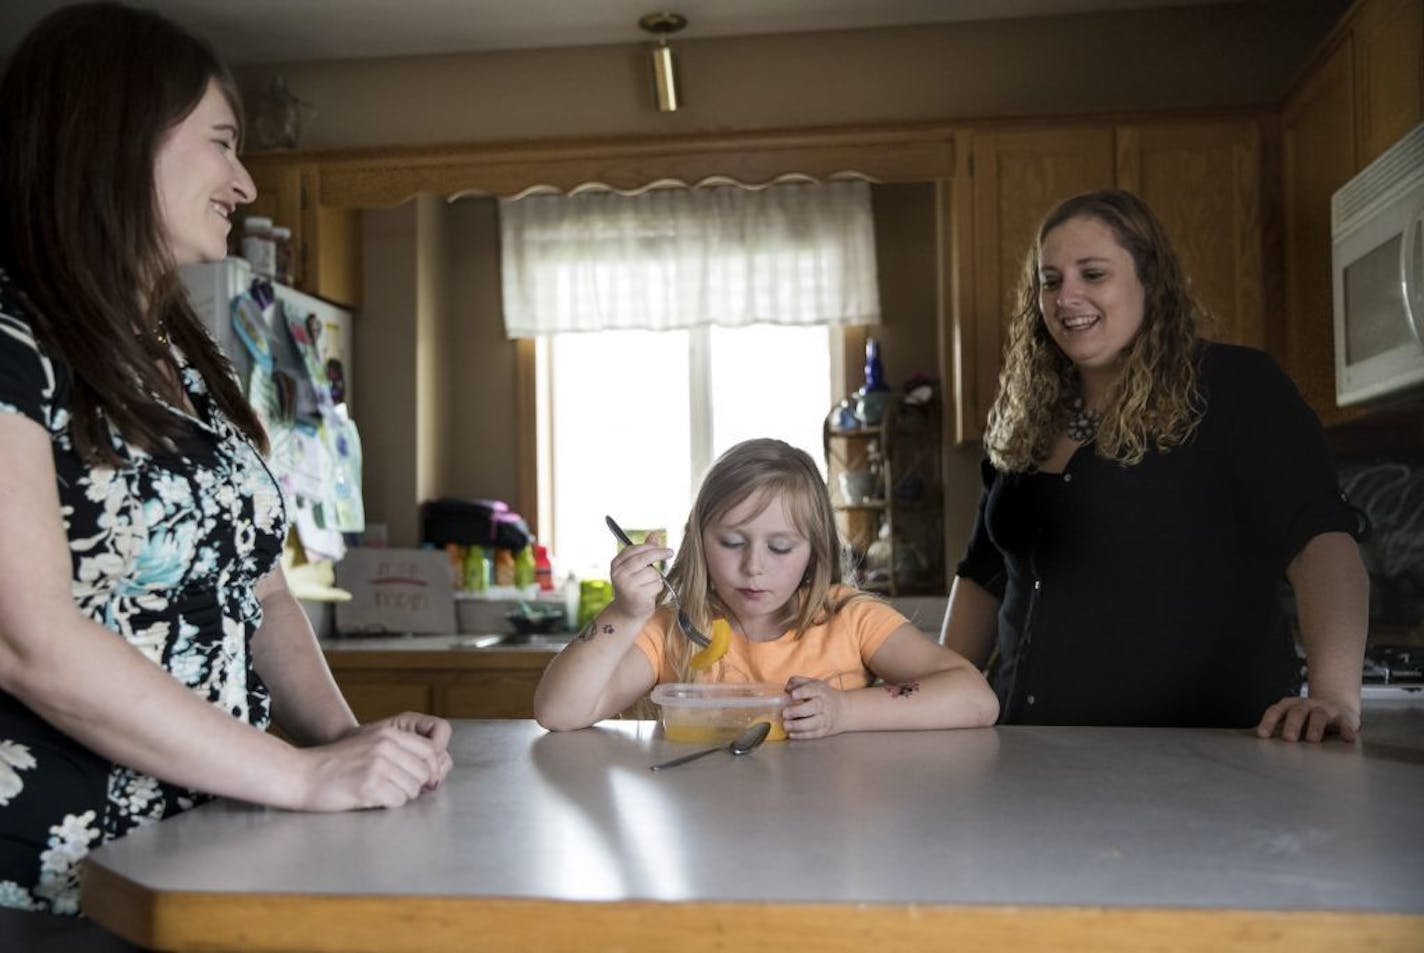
<point>1410,267</point>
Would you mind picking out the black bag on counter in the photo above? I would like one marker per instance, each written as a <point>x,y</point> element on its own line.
<point>473,523</point>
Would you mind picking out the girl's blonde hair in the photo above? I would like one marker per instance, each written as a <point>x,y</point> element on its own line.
<point>768,471</point>
<point>1155,403</point>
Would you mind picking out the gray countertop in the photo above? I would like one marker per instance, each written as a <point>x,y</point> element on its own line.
<point>1015,815</point>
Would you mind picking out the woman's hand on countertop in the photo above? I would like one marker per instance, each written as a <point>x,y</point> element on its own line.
<point>1297,718</point>
<point>382,764</point>
<point>431,727</point>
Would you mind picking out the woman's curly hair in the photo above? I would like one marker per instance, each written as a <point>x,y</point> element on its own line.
<point>1155,403</point>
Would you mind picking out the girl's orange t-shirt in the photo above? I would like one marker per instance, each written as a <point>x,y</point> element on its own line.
<point>835,652</point>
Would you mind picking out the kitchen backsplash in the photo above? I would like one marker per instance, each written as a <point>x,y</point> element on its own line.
<point>1391,493</point>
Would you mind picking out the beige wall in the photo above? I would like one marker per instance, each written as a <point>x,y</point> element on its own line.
<point>1218,55</point>
<point>479,360</point>
<point>385,356</point>
<point>398,341</point>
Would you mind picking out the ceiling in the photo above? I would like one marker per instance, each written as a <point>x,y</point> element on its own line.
<point>272,31</point>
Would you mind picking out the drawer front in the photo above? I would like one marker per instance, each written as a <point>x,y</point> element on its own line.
<point>374,700</point>
<point>508,694</point>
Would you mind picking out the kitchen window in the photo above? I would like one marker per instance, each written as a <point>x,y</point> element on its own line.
<point>630,420</point>
<point>668,326</point>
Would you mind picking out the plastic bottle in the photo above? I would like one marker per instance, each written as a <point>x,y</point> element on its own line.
<point>456,552</point>
<point>874,372</point>
<point>477,569</point>
<point>570,592</point>
<point>503,567</point>
<point>524,568</point>
<point>543,569</point>
<point>259,247</point>
<point>594,594</point>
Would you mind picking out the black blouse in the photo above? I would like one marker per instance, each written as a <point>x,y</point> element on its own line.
<point>1149,595</point>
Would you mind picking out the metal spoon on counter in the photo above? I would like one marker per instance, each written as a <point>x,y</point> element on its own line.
<point>744,742</point>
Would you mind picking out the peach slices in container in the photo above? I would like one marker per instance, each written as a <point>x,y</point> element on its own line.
<point>716,712</point>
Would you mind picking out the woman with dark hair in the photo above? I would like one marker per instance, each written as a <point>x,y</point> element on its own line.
<point>1145,493</point>
<point>147,635</point>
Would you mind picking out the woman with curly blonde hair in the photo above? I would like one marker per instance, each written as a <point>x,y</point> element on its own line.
<point>1145,493</point>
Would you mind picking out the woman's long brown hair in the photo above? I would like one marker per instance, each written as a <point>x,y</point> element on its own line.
<point>84,106</point>
<point>1155,403</point>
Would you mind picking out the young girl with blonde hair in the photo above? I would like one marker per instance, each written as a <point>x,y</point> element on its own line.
<point>762,554</point>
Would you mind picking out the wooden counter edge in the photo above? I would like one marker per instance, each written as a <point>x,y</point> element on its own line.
<point>267,923</point>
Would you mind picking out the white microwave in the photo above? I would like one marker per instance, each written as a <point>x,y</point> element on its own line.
<point>1377,221</point>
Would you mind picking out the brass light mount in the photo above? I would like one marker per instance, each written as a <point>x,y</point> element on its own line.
<point>662,25</point>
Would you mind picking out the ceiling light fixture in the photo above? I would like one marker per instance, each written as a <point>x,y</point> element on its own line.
<point>664,76</point>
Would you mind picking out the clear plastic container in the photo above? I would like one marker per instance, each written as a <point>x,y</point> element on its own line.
<point>716,712</point>
<point>259,247</point>
<point>282,254</point>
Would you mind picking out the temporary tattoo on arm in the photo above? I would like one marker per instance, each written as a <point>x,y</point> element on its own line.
<point>592,629</point>
<point>902,691</point>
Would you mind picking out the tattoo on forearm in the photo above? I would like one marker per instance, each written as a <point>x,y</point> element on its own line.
<point>592,629</point>
<point>902,691</point>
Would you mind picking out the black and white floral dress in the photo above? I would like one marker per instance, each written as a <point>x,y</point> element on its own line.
<point>165,552</point>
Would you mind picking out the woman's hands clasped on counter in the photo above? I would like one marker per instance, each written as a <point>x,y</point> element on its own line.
<point>382,764</point>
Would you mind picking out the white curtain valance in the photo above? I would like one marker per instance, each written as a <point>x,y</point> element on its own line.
<point>676,258</point>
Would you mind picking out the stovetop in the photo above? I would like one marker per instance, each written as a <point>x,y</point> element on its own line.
<point>1386,665</point>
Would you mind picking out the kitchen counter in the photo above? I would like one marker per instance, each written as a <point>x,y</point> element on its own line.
<point>1011,838</point>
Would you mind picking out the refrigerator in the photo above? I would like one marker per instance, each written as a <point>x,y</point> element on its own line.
<point>292,355</point>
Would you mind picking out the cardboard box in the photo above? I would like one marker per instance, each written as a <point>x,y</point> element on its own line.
<point>395,591</point>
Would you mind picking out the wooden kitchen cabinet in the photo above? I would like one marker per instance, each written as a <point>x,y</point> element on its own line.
<point>1019,176</point>
<point>452,683</point>
<point>1318,150</point>
<point>507,693</point>
<point>326,242</point>
<point>1388,74</point>
<point>279,197</point>
<point>1203,180</point>
<point>375,697</point>
<point>1363,92</point>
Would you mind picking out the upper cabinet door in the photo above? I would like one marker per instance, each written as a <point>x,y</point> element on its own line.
<point>279,197</point>
<point>1019,177</point>
<point>1319,154</point>
<point>326,241</point>
<point>1389,74</point>
<point>1202,179</point>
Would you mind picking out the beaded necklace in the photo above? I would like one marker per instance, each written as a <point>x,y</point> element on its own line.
<point>1082,423</point>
